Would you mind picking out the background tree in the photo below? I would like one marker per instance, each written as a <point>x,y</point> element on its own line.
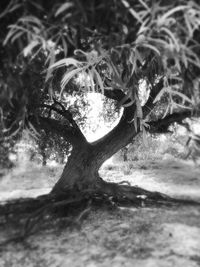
<point>120,49</point>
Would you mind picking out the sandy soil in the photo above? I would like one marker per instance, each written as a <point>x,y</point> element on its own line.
<point>153,237</point>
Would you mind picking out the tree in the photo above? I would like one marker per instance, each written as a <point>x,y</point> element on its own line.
<point>144,55</point>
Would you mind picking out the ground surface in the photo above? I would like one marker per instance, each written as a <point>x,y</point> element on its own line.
<point>153,237</point>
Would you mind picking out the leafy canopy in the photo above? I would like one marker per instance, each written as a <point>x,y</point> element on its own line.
<point>71,47</point>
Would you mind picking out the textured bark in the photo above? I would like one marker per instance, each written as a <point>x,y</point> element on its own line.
<point>81,170</point>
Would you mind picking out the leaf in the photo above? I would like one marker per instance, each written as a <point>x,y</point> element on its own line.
<point>184,59</point>
<point>139,56</point>
<point>132,60</point>
<point>194,62</point>
<point>177,63</point>
<point>135,15</point>
<point>189,25</point>
<point>6,10</point>
<point>14,28</point>
<point>158,41</point>
<point>130,103</point>
<point>63,8</point>
<point>159,95</point>
<point>28,49</point>
<point>152,48</point>
<point>10,34</point>
<point>135,121</point>
<point>65,48</point>
<point>143,27</point>
<point>144,136</point>
<point>184,107</point>
<point>194,55</point>
<point>144,5</point>
<point>166,111</point>
<point>51,91</point>
<point>184,97</point>
<point>31,19</point>
<point>14,8</point>
<point>38,6</point>
<point>99,80</point>
<point>162,19</point>
<point>132,11</point>
<point>140,39</point>
<point>116,75</point>
<point>33,129</point>
<point>52,57</point>
<point>90,73</point>
<point>172,36</point>
<point>65,62</point>
<point>68,76</point>
<point>124,99</point>
<point>115,70</point>
<point>16,36</point>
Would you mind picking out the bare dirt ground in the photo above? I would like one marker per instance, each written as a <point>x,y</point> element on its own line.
<point>153,237</point>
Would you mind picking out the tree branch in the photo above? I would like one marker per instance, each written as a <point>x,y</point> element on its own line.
<point>118,95</point>
<point>67,115</point>
<point>162,125</point>
<point>114,94</point>
<point>76,138</point>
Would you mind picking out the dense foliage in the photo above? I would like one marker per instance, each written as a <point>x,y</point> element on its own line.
<point>97,46</point>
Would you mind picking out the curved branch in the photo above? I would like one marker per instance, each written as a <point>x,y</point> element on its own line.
<point>67,115</point>
<point>114,94</point>
<point>162,125</point>
<point>76,138</point>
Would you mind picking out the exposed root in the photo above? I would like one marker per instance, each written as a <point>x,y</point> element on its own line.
<point>54,208</point>
<point>125,182</point>
<point>126,195</point>
<point>74,206</point>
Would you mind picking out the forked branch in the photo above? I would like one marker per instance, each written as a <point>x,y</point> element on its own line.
<point>69,133</point>
<point>71,125</point>
<point>162,125</point>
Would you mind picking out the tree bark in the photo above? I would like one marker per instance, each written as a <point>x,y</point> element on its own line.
<point>81,170</point>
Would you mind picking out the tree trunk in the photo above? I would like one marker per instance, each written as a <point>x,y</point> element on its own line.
<point>81,170</point>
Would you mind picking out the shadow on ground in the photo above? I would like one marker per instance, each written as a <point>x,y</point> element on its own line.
<point>145,237</point>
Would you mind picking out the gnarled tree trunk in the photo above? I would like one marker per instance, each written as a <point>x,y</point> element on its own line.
<point>81,170</point>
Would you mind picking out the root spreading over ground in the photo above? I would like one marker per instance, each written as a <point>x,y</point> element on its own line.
<point>118,224</point>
